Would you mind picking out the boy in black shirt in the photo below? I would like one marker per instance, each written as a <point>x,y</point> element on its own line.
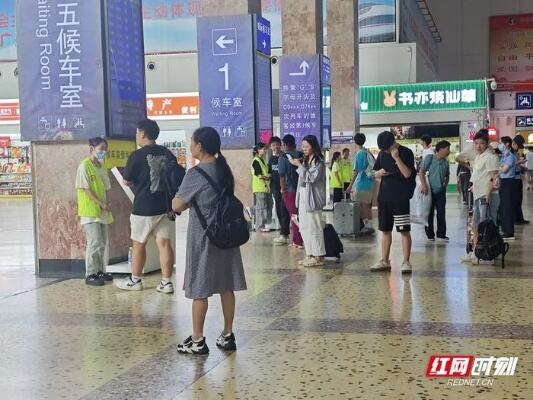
<point>395,166</point>
<point>275,188</point>
<point>145,174</point>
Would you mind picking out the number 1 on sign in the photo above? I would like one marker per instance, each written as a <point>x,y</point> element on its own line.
<point>225,69</point>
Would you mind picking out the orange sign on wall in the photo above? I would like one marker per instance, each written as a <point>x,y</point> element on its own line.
<point>9,112</point>
<point>162,106</point>
<point>173,106</point>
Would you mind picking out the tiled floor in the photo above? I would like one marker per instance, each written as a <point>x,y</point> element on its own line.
<point>338,332</point>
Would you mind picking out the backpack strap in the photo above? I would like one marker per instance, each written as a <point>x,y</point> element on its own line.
<point>213,184</point>
<point>210,180</point>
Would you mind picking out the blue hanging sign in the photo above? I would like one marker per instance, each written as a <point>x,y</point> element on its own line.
<point>263,35</point>
<point>61,70</point>
<point>226,78</point>
<point>300,96</point>
<point>125,66</point>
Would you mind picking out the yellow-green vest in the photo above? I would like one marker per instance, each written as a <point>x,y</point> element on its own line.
<point>345,167</point>
<point>259,185</point>
<point>86,206</point>
<point>334,183</point>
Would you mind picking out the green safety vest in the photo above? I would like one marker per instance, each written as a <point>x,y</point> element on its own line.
<point>86,206</point>
<point>345,170</point>
<point>259,185</point>
<point>333,181</point>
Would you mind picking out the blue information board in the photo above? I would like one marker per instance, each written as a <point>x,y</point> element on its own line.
<point>300,96</point>
<point>234,79</point>
<point>125,63</point>
<point>263,96</point>
<point>77,78</point>
<point>226,78</point>
<point>61,76</point>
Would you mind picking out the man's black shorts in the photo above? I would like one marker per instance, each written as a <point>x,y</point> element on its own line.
<point>394,213</point>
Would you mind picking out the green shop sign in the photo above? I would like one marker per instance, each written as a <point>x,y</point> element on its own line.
<point>428,96</point>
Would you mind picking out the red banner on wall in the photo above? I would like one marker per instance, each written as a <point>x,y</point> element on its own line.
<point>9,112</point>
<point>511,51</point>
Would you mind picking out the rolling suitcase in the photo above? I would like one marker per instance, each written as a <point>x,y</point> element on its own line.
<point>346,218</point>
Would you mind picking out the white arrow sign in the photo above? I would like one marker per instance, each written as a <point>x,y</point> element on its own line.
<point>303,69</point>
<point>222,41</point>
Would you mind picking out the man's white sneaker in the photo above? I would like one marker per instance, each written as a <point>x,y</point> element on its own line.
<point>281,240</point>
<point>468,259</point>
<point>165,287</point>
<point>128,284</point>
<point>381,265</point>
<point>407,268</point>
<point>367,231</point>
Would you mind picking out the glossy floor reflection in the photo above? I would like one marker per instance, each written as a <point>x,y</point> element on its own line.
<point>338,332</point>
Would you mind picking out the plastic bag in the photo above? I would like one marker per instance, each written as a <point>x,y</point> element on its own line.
<point>420,205</point>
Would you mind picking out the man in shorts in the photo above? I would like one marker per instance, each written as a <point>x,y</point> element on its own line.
<point>145,174</point>
<point>485,186</point>
<point>363,180</point>
<point>395,166</point>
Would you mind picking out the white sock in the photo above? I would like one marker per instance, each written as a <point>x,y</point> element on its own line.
<point>164,281</point>
<point>368,223</point>
<point>135,278</point>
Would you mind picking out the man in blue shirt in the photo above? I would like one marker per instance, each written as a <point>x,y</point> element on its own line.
<point>363,178</point>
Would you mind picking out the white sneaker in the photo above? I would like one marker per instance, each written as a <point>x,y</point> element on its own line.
<point>128,284</point>
<point>381,265</point>
<point>165,287</point>
<point>407,268</point>
<point>367,231</point>
<point>281,241</point>
<point>468,259</point>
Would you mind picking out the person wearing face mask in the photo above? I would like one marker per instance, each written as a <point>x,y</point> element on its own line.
<point>508,162</point>
<point>92,183</point>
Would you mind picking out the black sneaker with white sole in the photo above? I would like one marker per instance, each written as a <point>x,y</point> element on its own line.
<point>227,342</point>
<point>189,346</point>
<point>94,280</point>
<point>105,276</point>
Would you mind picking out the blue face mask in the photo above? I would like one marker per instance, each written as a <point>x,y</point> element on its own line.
<point>502,147</point>
<point>100,155</point>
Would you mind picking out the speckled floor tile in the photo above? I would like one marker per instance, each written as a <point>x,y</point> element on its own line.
<point>338,332</point>
<point>294,366</point>
<point>67,362</point>
<point>384,297</point>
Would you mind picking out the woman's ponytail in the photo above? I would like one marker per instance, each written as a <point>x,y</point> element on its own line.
<point>227,179</point>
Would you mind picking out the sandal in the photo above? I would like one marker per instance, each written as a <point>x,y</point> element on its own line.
<point>306,259</point>
<point>313,262</point>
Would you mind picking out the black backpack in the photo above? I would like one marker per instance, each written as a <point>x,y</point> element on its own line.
<point>490,243</point>
<point>174,174</point>
<point>230,228</point>
<point>332,242</point>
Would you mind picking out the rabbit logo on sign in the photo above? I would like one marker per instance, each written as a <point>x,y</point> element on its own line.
<point>389,99</point>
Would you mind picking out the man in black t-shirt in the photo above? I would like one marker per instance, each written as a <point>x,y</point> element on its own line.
<point>275,188</point>
<point>395,166</point>
<point>145,173</point>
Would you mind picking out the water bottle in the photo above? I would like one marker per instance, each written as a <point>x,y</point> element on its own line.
<point>130,254</point>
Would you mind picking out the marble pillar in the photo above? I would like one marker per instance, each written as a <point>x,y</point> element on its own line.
<point>59,236</point>
<point>343,50</point>
<point>302,27</point>
<point>239,160</point>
